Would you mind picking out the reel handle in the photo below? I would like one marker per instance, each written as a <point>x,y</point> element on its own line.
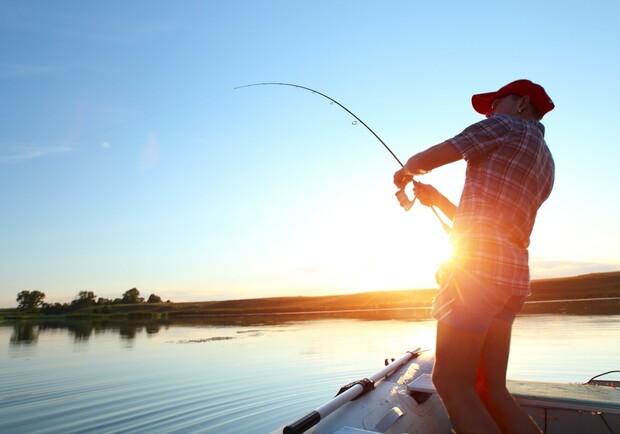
<point>404,200</point>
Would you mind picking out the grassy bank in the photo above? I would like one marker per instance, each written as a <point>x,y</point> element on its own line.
<point>548,296</point>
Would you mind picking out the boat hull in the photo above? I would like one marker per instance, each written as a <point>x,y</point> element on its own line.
<point>406,402</point>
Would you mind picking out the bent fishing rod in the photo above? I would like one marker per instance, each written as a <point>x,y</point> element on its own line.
<point>403,199</point>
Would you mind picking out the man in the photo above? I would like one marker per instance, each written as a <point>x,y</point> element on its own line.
<point>510,173</point>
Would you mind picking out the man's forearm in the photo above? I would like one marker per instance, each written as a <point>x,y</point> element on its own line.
<point>432,158</point>
<point>446,207</point>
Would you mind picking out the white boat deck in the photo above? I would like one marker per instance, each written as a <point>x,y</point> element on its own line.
<point>581,397</point>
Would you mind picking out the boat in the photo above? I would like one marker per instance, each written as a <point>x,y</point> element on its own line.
<point>400,398</point>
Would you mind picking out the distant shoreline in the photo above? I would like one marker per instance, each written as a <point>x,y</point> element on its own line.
<point>597,293</point>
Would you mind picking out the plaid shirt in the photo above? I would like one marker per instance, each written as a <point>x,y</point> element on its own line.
<point>510,173</point>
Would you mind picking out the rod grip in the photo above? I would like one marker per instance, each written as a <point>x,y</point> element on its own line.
<point>303,424</point>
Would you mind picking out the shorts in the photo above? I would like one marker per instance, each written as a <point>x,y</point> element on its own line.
<point>468,303</point>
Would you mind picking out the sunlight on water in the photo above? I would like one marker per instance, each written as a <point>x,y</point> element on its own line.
<point>564,348</point>
<point>233,378</point>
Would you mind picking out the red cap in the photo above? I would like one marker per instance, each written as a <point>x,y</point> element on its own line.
<point>538,97</point>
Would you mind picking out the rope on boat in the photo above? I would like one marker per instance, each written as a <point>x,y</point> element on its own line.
<point>367,386</point>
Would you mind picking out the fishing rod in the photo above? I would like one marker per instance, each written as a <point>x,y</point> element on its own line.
<point>403,199</point>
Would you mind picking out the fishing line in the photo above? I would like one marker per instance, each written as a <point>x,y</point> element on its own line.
<point>402,196</point>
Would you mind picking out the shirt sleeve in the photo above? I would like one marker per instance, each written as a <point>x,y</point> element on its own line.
<point>482,137</point>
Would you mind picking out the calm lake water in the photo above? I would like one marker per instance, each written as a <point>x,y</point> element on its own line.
<point>245,376</point>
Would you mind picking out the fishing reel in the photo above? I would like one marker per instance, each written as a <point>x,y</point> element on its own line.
<point>404,200</point>
<point>407,204</point>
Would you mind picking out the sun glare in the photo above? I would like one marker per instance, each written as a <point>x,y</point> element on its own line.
<point>355,251</point>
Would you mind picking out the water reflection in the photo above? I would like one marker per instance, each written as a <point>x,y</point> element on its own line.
<point>152,328</point>
<point>24,334</point>
<point>27,332</point>
<point>81,331</point>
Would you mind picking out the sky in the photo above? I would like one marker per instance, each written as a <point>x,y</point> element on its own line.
<point>128,158</point>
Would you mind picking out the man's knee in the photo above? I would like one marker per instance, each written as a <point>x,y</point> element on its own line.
<point>446,383</point>
<point>485,391</point>
<point>493,394</point>
<point>441,383</point>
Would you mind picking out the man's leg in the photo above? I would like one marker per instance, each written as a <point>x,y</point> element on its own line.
<point>454,375</point>
<point>491,382</point>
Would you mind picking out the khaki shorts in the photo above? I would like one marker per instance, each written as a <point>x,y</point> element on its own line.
<point>467,303</point>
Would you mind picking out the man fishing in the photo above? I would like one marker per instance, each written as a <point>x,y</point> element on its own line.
<point>510,173</point>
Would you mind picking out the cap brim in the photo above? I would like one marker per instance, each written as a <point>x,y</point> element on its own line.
<point>482,102</point>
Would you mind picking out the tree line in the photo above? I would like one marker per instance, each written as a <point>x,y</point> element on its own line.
<point>34,301</point>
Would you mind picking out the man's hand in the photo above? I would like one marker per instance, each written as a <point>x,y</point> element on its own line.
<point>427,194</point>
<point>401,179</point>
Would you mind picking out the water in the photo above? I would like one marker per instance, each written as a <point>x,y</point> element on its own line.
<point>245,377</point>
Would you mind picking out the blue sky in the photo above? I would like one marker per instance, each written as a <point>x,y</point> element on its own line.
<point>128,159</point>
